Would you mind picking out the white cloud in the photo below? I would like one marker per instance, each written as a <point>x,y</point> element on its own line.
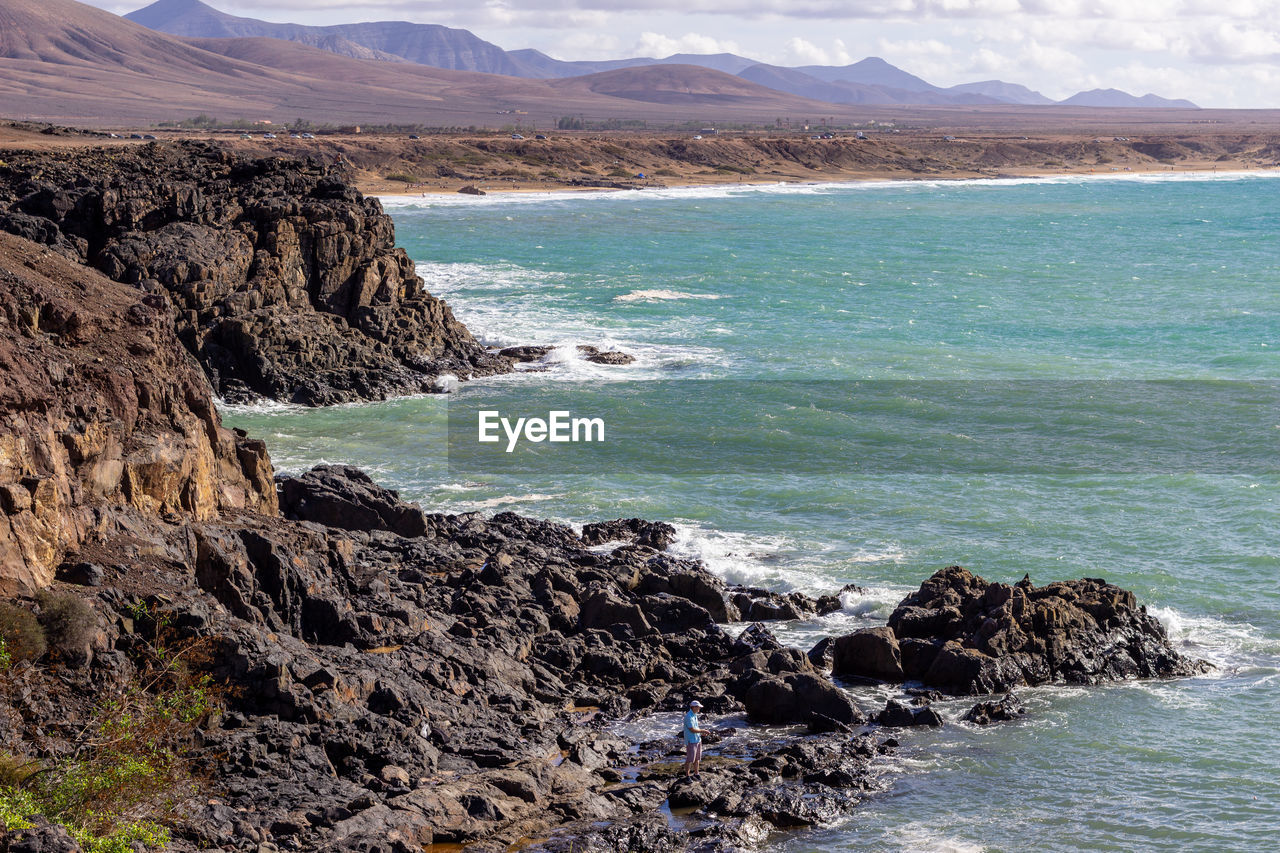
<point>1229,42</point>
<point>801,52</point>
<point>659,46</point>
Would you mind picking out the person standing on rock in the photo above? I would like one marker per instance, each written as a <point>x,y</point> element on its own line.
<point>693,739</point>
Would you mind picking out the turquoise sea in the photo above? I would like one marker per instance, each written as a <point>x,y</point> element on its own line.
<point>865,383</point>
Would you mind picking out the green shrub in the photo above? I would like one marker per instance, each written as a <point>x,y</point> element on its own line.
<point>403,176</point>
<point>127,773</point>
<point>16,808</point>
<point>68,620</point>
<point>24,638</point>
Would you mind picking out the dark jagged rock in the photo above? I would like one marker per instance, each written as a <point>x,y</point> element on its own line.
<point>471,190</point>
<point>970,636</point>
<point>797,697</point>
<point>81,574</point>
<point>43,837</point>
<point>869,653</point>
<point>754,603</point>
<point>652,534</point>
<point>822,653</point>
<point>346,497</point>
<point>614,357</point>
<point>898,714</point>
<point>525,353</point>
<point>285,282</point>
<point>984,713</point>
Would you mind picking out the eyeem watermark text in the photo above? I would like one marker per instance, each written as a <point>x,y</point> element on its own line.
<point>560,426</point>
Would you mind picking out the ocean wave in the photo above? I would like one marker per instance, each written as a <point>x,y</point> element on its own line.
<point>262,406</point>
<point>1229,646</point>
<point>444,278</point>
<point>508,305</point>
<point>783,564</point>
<point>662,295</point>
<point>503,501</point>
<point>739,558</point>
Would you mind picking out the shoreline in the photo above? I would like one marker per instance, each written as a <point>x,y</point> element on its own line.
<point>398,164</point>
<point>1234,170</point>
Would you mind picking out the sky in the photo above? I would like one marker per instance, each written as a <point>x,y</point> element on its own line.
<point>1217,53</point>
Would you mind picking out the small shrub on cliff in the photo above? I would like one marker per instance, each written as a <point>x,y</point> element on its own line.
<point>21,636</point>
<point>128,773</point>
<point>18,806</point>
<point>69,621</point>
<point>403,176</point>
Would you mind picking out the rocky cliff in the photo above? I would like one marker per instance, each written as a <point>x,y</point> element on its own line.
<point>105,421</point>
<point>284,281</point>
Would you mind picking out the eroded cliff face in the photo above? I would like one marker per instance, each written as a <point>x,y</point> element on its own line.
<point>104,418</point>
<point>284,281</point>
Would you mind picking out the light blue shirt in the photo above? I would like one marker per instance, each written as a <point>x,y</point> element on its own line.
<point>691,723</point>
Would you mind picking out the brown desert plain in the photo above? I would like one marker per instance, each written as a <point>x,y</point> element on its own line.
<point>65,63</point>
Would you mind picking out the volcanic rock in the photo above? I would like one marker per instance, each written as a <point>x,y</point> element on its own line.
<point>980,637</point>
<point>285,281</point>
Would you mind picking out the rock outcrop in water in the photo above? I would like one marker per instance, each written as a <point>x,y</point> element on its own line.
<point>284,281</point>
<point>964,635</point>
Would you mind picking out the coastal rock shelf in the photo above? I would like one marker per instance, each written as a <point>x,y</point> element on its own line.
<point>383,678</point>
<point>284,281</point>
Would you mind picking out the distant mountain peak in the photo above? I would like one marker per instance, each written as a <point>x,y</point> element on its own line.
<point>1119,98</point>
<point>1009,93</point>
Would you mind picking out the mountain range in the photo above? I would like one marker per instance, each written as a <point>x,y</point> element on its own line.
<point>870,81</point>
<point>67,62</point>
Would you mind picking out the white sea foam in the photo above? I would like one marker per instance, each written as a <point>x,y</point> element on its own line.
<point>781,563</point>
<point>662,296</point>
<point>460,487</point>
<point>919,838</point>
<point>1230,646</point>
<point>394,203</point>
<point>258,407</point>
<point>509,305</point>
<point>739,558</point>
<point>505,500</point>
